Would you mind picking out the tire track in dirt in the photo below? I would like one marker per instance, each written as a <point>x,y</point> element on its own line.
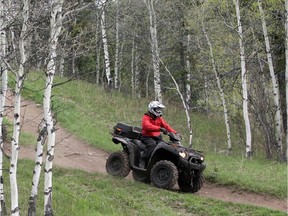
<point>71,152</point>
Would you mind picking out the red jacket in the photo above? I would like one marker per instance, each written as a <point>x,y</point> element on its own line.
<point>151,125</point>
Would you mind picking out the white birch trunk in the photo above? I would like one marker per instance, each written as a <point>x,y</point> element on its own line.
<point>155,50</point>
<point>17,104</point>
<point>11,35</point>
<point>188,75</point>
<point>98,50</point>
<point>286,69</point>
<point>37,171</point>
<point>147,82</point>
<point>248,149</point>
<point>3,91</point>
<point>186,108</point>
<point>98,66</point>
<point>132,68</point>
<point>222,95</point>
<point>206,95</point>
<point>55,30</point>
<point>105,47</point>
<point>137,73</point>
<point>116,67</point>
<point>120,66</point>
<point>61,66</point>
<point>276,91</point>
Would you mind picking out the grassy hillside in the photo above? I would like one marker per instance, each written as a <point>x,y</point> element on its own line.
<point>78,193</point>
<point>90,113</point>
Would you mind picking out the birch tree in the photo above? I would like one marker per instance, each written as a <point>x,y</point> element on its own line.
<point>154,49</point>
<point>248,149</point>
<point>105,43</point>
<point>116,67</point>
<point>55,30</point>
<point>133,67</point>
<point>17,104</point>
<point>186,108</point>
<point>3,91</point>
<point>37,170</point>
<point>137,73</point>
<point>188,74</point>
<point>275,85</point>
<point>221,92</point>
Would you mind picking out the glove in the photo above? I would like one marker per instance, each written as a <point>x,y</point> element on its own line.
<point>180,136</point>
<point>163,130</point>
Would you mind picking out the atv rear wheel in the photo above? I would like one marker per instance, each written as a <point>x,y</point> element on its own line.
<point>141,176</point>
<point>164,174</point>
<point>117,164</point>
<point>186,184</point>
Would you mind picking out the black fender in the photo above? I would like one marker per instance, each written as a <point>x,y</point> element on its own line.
<point>128,146</point>
<point>163,151</point>
<point>117,140</point>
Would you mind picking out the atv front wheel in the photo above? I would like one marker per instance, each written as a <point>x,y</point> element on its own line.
<point>117,164</point>
<point>164,174</point>
<point>186,184</point>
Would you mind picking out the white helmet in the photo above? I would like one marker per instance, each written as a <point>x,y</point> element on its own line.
<point>155,107</point>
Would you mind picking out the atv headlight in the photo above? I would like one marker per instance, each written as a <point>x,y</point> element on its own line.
<point>182,154</point>
<point>202,158</point>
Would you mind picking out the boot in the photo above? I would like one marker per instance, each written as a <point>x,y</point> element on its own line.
<point>142,163</point>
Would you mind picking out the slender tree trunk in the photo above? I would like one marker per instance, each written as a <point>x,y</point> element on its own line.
<point>98,50</point>
<point>61,66</point>
<point>222,95</point>
<point>55,30</point>
<point>120,66</point>
<point>37,171</point>
<point>276,92</point>
<point>147,82</point>
<point>98,65</point>
<point>206,96</point>
<point>186,108</point>
<point>286,69</point>
<point>188,74</point>
<point>248,149</point>
<point>10,34</point>
<point>16,123</point>
<point>137,73</point>
<point>3,91</point>
<point>105,47</point>
<point>155,50</point>
<point>116,67</point>
<point>133,67</point>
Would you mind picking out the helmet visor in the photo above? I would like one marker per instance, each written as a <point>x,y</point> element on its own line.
<point>158,110</point>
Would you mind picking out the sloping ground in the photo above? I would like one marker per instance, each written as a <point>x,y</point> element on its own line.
<point>71,152</point>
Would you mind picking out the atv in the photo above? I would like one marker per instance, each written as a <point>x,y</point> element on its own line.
<point>169,164</point>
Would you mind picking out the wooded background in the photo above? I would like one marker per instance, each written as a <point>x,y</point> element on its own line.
<point>214,56</point>
<point>129,45</point>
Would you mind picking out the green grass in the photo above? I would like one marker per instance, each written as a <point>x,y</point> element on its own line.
<point>253,175</point>
<point>89,112</point>
<point>79,193</point>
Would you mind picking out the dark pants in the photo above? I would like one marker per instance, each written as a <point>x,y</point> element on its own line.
<point>151,143</point>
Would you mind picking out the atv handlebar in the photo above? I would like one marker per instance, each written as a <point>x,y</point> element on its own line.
<point>174,137</point>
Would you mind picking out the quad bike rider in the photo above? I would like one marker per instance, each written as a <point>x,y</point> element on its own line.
<point>168,164</point>
<point>152,124</point>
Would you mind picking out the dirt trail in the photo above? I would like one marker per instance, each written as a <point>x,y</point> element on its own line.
<point>72,152</point>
